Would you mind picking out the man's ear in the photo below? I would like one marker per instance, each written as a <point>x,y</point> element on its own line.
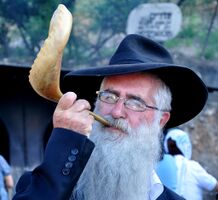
<point>164,118</point>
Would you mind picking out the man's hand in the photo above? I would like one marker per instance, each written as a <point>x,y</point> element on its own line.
<point>73,114</point>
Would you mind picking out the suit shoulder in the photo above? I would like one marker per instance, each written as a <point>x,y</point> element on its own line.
<point>169,195</point>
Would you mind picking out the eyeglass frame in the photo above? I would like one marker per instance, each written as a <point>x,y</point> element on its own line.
<point>126,99</point>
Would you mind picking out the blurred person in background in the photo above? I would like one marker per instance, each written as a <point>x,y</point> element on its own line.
<point>6,180</point>
<point>192,178</point>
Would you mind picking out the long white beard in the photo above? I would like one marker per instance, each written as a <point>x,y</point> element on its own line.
<point>120,166</point>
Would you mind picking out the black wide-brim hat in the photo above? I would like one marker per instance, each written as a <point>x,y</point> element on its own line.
<point>139,54</point>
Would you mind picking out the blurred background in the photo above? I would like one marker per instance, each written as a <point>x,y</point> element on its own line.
<point>188,28</point>
<point>98,27</point>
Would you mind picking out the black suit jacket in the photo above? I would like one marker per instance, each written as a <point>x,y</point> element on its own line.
<point>65,158</point>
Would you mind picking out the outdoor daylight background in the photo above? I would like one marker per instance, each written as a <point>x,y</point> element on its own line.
<point>98,27</point>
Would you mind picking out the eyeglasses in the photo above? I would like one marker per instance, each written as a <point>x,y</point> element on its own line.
<point>133,103</point>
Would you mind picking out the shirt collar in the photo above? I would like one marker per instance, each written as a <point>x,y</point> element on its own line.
<point>156,187</point>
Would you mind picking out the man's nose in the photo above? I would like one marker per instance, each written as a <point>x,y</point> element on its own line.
<point>118,110</point>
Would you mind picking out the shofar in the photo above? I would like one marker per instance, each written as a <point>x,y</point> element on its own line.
<point>44,75</point>
<point>45,72</point>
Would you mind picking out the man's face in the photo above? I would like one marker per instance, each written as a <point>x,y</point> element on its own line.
<point>122,164</point>
<point>125,154</point>
<point>137,85</point>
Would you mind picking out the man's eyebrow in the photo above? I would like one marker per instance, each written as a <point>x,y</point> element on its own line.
<point>133,96</point>
<point>136,98</point>
<point>112,91</point>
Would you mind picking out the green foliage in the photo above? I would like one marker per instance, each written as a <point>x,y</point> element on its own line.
<point>195,27</point>
<point>189,32</point>
<point>96,22</point>
<point>191,26</point>
<point>212,49</point>
<point>96,27</point>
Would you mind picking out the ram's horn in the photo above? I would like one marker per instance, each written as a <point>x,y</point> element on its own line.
<point>44,75</point>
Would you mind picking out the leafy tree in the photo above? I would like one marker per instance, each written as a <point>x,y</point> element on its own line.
<point>96,23</point>
<point>27,22</point>
<point>97,28</point>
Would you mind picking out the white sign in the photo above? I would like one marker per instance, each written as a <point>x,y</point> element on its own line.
<point>158,21</point>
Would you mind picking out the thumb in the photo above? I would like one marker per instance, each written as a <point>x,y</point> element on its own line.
<point>67,100</point>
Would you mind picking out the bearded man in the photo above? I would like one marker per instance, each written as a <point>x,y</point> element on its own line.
<point>139,93</point>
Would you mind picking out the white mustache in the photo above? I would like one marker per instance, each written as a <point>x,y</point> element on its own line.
<point>120,124</point>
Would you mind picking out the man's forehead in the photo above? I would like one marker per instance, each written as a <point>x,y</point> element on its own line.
<point>142,85</point>
<point>139,77</point>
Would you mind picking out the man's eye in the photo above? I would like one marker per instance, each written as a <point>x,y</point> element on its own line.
<point>135,104</point>
<point>109,97</point>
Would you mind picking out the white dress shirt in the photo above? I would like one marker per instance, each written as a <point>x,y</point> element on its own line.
<point>156,187</point>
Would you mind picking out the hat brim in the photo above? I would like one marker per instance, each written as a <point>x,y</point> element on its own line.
<point>189,93</point>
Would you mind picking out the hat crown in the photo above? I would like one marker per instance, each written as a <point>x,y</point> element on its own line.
<point>138,49</point>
